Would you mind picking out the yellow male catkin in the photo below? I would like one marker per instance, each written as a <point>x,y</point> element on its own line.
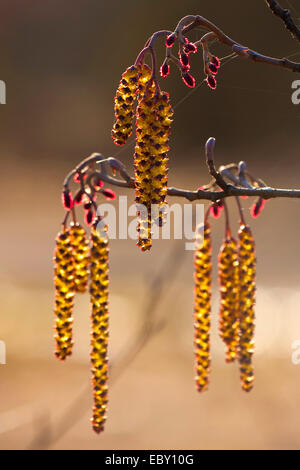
<point>99,318</point>
<point>153,125</point>
<point>124,105</point>
<point>145,82</point>
<point>202,307</point>
<point>64,294</point>
<point>247,289</point>
<point>81,256</point>
<point>229,289</point>
<point>133,83</point>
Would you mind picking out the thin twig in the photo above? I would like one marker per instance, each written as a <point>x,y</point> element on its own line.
<point>239,188</point>
<point>285,16</point>
<point>190,22</point>
<point>209,153</point>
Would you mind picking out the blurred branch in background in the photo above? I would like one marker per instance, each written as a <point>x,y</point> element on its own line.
<point>285,16</point>
<point>50,432</point>
<point>22,415</point>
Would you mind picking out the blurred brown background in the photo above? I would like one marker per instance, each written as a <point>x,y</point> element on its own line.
<point>61,61</point>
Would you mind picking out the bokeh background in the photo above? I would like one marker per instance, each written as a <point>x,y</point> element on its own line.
<point>62,61</point>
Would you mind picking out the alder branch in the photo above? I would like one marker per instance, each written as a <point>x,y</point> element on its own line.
<point>285,16</point>
<point>190,22</point>
<point>221,187</point>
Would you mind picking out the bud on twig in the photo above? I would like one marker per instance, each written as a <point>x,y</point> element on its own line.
<point>184,59</point>
<point>109,193</point>
<point>257,207</point>
<point>216,61</point>
<point>78,197</point>
<point>190,47</point>
<point>188,80</point>
<point>213,68</point>
<point>67,199</point>
<point>170,40</point>
<point>165,69</point>
<point>212,82</point>
<point>89,217</point>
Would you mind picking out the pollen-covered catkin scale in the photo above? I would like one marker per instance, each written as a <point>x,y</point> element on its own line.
<point>154,118</point>
<point>202,307</point>
<point>124,105</point>
<point>133,83</point>
<point>64,294</point>
<point>144,80</point>
<point>81,257</point>
<point>229,289</point>
<point>247,289</point>
<point>99,319</point>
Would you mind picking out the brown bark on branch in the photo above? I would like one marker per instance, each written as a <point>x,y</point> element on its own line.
<point>188,23</point>
<point>285,16</point>
<point>244,183</point>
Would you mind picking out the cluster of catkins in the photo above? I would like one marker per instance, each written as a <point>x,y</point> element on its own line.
<point>237,265</point>
<point>80,262</point>
<point>77,263</point>
<point>153,122</point>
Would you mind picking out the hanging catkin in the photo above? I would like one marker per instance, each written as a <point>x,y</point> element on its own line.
<point>133,82</point>
<point>202,307</point>
<point>247,289</point>
<point>64,294</point>
<point>229,288</point>
<point>124,105</point>
<point>153,125</point>
<point>81,257</point>
<point>99,319</point>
